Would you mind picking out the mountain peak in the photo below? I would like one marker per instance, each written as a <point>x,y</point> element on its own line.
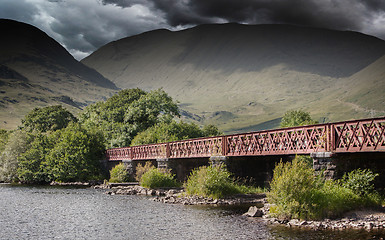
<point>224,67</point>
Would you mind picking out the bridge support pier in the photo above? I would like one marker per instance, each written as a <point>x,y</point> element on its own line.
<point>323,163</point>
<point>217,161</point>
<point>163,164</point>
<point>131,167</point>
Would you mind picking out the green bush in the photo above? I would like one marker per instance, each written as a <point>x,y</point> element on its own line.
<point>298,193</point>
<point>119,174</point>
<point>155,178</point>
<point>142,169</point>
<point>294,189</point>
<point>212,181</point>
<point>359,181</point>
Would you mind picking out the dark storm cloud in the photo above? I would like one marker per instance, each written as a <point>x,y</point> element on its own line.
<point>337,14</point>
<point>83,26</point>
<point>358,15</point>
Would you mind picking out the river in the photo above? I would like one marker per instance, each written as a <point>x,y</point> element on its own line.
<point>45,212</point>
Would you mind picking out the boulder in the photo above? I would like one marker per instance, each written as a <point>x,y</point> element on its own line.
<point>254,212</point>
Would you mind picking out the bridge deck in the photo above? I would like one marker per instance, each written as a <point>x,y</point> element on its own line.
<point>366,135</point>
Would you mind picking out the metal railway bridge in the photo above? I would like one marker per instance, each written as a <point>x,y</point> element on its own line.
<point>336,148</point>
<point>366,135</point>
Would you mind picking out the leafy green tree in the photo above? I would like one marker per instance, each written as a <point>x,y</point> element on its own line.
<point>4,134</point>
<point>17,144</point>
<point>127,113</point>
<point>49,118</point>
<point>211,130</point>
<point>75,156</point>
<point>30,168</point>
<point>295,118</point>
<point>173,131</point>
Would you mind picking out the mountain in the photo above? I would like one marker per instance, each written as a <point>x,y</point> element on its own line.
<point>244,77</point>
<point>36,71</point>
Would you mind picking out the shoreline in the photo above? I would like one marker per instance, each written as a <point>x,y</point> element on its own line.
<point>366,219</point>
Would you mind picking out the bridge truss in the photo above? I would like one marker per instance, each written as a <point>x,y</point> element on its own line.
<point>366,135</point>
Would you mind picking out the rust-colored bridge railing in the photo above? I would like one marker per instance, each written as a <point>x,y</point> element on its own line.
<point>367,135</point>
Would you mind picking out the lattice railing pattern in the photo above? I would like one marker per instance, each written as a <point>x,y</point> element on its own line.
<point>151,151</point>
<point>277,142</point>
<point>118,154</point>
<point>201,147</point>
<point>360,136</point>
<point>366,135</point>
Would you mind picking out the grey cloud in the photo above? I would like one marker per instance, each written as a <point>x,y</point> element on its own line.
<point>18,10</point>
<point>83,26</point>
<point>334,14</point>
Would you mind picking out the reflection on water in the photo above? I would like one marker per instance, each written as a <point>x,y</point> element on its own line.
<point>68,213</point>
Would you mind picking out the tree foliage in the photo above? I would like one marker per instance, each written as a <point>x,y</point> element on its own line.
<point>60,150</point>
<point>129,112</point>
<point>295,118</point>
<point>31,162</point>
<point>17,144</point>
<point>49,118</point>
<point>173,131</point>
<point>4,134</point>
<point>75,156</point>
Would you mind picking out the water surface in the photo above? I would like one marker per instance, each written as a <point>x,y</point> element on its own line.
<point>38,212</point>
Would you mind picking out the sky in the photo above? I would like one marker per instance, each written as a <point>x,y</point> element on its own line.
<point>83,26</point>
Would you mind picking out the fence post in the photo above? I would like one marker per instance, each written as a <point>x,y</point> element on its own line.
<point>332,138</point>
<point>224,146</point>
<point>168,153</point>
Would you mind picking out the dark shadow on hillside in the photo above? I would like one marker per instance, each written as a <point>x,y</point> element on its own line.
<point>231,47</point>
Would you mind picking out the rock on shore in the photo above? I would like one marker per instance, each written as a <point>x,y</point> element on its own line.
<point>364,219</point>
<point>178,196</point>
<point>368,219</point>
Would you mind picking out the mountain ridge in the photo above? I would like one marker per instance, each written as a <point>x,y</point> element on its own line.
<point>36,71</point>
<point>241,75</point>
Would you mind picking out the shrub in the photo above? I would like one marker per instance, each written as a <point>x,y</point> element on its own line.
<point>359,181</point>
<point>294,189</point>
<point>211,181</point>
<point>119,174</point>
<point>298,193</point>
<point>155,178</point>
<point>141,169</point>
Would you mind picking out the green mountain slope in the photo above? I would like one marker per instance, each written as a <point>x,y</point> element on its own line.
<point>37,71</point>
<point>242,76</point>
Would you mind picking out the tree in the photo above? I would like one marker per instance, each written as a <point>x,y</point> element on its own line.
<point>30,163</point>
<point>295,118</point>
<point>17,144</point>
<point>173,131</point>
<point>211,130</point>
<point>46,119</point>
<point>75,156</point>
<point>4,134</point>
<point>129,112</point>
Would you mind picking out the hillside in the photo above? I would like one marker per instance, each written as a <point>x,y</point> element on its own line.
<point>244,77</point>
<point>37,71</point>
